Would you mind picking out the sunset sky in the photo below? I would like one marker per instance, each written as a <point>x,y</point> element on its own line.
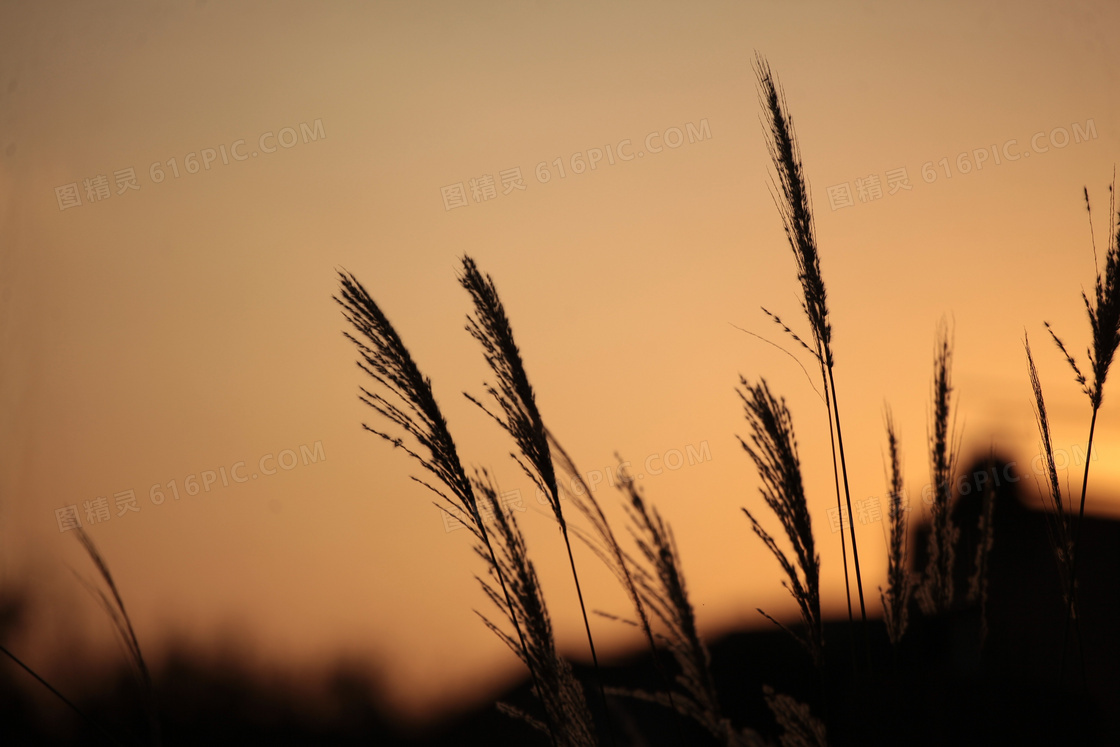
<point>176,320</point>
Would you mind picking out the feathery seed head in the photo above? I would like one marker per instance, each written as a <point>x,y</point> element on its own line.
<point>795,205</point>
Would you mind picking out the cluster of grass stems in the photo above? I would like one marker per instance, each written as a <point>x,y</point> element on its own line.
<point>651,571</point>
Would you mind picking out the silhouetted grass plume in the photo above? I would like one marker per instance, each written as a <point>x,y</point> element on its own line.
<point>1104,324</point>
<point>518,414</point>
<point>773,449</point>
<point>900,586</point>
<point>795,207</point>
<point>385,358</point>
<point>566,716</point>
<point>936,591</point>
<point>1059,518</point>
<point>603,542</point>
<point>661,585</point>
<point>114,607</point>
<point>800,728</point>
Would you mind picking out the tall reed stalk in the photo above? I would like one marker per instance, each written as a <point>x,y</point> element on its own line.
<point>795,207</point>
<point>1104,323</point>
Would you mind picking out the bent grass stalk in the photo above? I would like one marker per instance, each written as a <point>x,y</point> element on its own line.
<point>518,415</point>
<point>113,605</point>
<point>384,357</point>
<point>1059,520</point>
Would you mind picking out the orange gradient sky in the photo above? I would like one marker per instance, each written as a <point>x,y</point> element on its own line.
<point>188,325</point>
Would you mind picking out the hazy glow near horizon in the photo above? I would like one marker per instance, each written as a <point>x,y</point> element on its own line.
<point>178,186</point>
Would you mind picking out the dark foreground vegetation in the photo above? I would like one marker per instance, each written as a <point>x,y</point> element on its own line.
<point>940,687</point>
